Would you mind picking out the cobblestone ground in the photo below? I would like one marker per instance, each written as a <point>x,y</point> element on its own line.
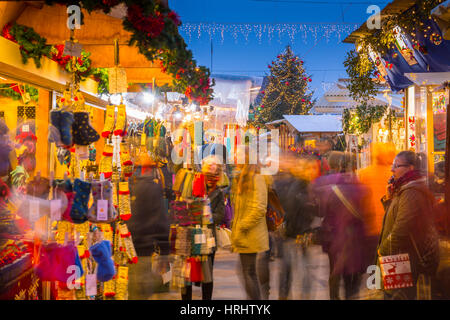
<point>227,283</point>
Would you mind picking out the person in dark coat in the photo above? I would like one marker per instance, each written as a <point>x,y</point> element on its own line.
<point>149,227</point>
<point>291,186</point>
<point>343,228</point>
<point>407,224</point>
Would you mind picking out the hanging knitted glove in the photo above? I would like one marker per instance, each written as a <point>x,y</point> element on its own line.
<point>109,120</point>
<point>65,128</point>
<point>53,131</point>
<point>83,133</point>
<point>124,201</point>
<point>102,190</point>
<point>105,165</point>
<point>101,252</point>
<point>79,210</point>
<point>121,124</point>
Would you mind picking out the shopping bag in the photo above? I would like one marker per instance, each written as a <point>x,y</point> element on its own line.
<point>223,236</point>
<point>396,271</point>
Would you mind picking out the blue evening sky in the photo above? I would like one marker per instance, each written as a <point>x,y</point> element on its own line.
<point>235,55</point>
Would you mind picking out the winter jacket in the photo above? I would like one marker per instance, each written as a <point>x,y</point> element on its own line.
<point>149,224</point>
<point>249,232</point>
<point>293,195</point>
<point>343,234</point>
<point>408,214</point>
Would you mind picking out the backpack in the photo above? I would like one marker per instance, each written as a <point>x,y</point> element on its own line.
<point>275,212</point>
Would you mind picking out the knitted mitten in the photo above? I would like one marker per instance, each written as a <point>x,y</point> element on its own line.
<point>121,124</point>
<point>105,165</point>
<point>124,201</point>
<point>79,210</point>
<point>83,133</point>
<point>102,190</point>
<point>63,156</point>
<point>53,131</point>
<point>65,128</point>
<point>109,121</point>
<point>102,255</point>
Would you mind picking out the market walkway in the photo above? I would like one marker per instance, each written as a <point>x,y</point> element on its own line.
<point>227,285</point>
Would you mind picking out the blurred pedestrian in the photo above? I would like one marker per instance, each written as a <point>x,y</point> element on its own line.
<point>291,184</point>
<point>374,177</point>
<point>407,225</point>
<point>342,200</point>
<point>249,234</point>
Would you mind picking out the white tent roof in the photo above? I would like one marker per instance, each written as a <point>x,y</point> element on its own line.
<point>315,123</point>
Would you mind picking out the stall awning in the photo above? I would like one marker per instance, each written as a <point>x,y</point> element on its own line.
<point>428,79</point>
<point>442,15</point>
<point>97,35</point>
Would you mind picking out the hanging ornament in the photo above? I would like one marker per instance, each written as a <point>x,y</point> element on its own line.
<point>263,92</point>
<point>436,39</point>
<point>269,66</point>
<point>287,83</point>
<point>303,100</point>
<point>309,80</point>
<point>262,106</point>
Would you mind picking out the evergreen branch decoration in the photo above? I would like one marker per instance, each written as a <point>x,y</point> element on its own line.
<point>360,120</point>
<point>16,92</point>
<point>154,31</point>
<point>360,69</point>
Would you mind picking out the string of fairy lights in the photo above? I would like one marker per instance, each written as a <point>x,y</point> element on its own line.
<point>270,31</point>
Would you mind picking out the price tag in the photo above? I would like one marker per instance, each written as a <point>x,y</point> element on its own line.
<point>200,238</point>
<point>25,128</point>
<point>72,49</point>
<point>211,243</point>
<point>166,277</point>
<point>117,80</point>
<point>55,209</point>
<point>91,284</point>
<point>34,210</point>
<point>102,210</point>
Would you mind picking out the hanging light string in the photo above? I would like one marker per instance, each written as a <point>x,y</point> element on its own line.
<point>260,31</point>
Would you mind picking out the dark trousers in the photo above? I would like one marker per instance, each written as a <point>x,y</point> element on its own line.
<point>351,282</point>
<point>255,271</point>
<point>207,288</point>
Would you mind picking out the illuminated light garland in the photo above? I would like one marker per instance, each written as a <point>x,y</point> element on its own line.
<point>245,30</point>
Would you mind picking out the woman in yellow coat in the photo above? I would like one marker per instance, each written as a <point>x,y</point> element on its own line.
<point>249,234</point>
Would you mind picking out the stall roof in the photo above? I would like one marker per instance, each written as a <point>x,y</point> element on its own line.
<point>97,36</point>
<point>429,78</point>
<point>315,123</point>
<point>395,7</point>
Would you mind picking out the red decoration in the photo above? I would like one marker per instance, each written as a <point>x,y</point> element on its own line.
<point>152,25</point>
<point>6,32</point>
<point>263,92</point>
<point>174,17</point>
<point>309,80</point>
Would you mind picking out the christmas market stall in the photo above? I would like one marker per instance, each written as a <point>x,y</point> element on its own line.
<point>75,118</point>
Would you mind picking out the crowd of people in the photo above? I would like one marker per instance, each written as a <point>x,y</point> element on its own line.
<point>356,216</point>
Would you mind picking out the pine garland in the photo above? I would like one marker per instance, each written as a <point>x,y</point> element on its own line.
<point>154,31</point>
<point>13,91</point>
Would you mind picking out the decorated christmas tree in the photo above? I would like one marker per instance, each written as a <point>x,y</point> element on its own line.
<point>287,91</point>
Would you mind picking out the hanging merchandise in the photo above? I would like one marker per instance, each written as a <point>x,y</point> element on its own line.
<point>124,201</point>
<point>101,252</point>
<point>105,165</point>
<point>79,210</point>
<point>102,209</point>
<point>120,128</point>
<point>109,121</point>
<point>83,133</point>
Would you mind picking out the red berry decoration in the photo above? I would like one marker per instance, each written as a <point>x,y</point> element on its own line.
<point>309,80</point>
